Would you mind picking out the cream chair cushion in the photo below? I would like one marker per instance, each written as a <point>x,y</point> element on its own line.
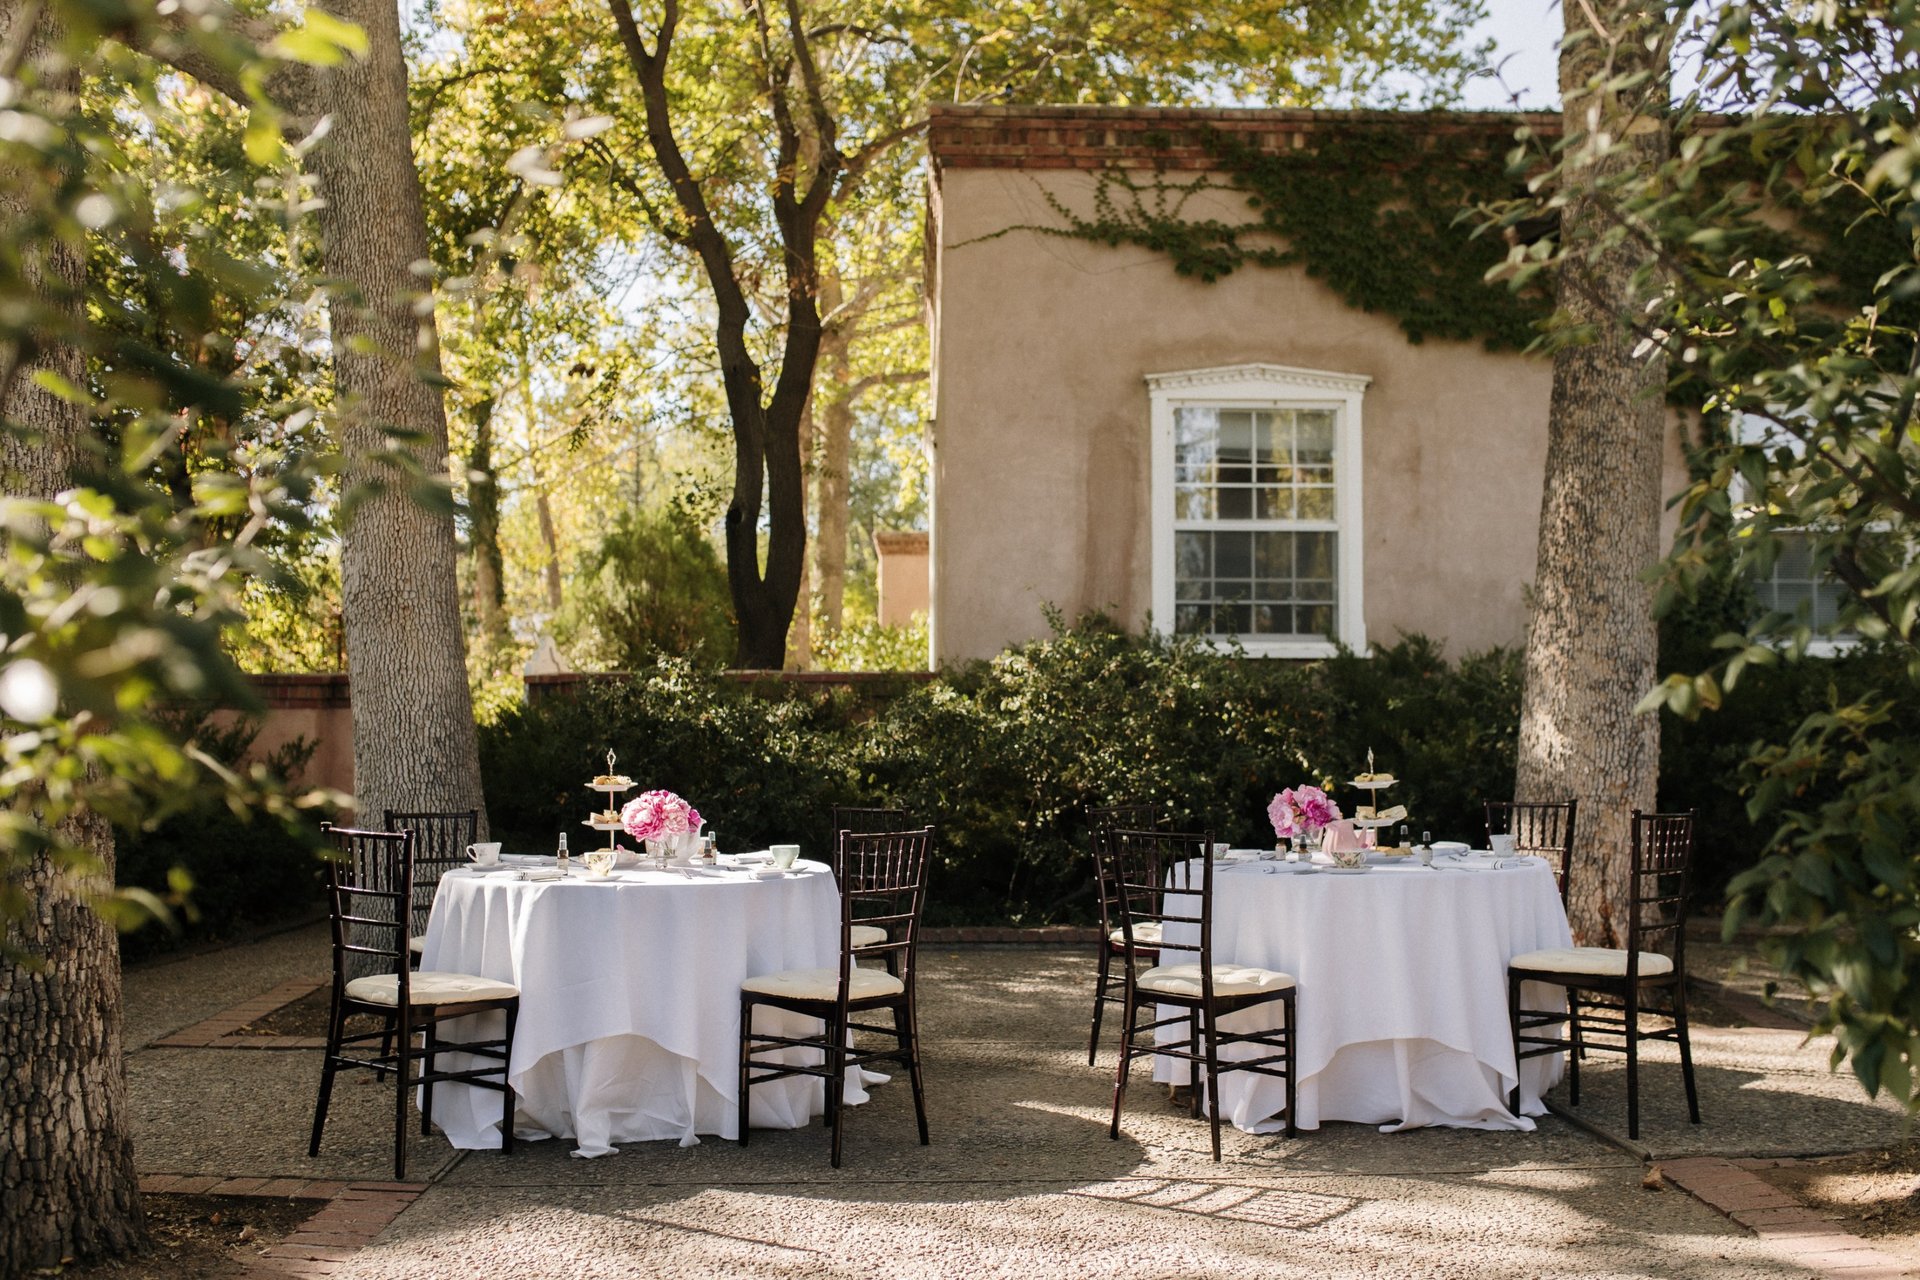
<point>1595,962</point>
<point>867,935</point>
<point>1145,934</point>
<point>417,943</point>
<point>824,984</point>
<point>429,988</point>
<point>1228,980</point>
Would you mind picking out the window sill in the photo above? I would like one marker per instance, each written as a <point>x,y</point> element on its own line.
<point>1297,649</point>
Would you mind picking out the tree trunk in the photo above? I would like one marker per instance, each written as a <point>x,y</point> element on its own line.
<point>800,638</point>
<point>831,485</point>
<point>483,505</point>
<point>414,745</point>
<point>1591,640</point>
<point>67,1182</point>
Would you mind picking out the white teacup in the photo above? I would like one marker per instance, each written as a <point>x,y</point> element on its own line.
<point>1503,845</point>
<point>1220,851</point>
<point>486,854</point>
<point>784,855</point>
<point>600,862</point>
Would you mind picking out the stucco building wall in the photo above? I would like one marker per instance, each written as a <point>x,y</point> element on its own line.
<point>1041,441</point>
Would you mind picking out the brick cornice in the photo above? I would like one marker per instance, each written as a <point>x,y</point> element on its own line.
<point>1168,138</point>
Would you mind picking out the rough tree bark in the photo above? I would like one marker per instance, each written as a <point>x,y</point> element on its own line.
<point>834,448</point>
<point>414,745</point>
<point>67,1182</point>
<point>483,504</point>
<point>1591,640</point>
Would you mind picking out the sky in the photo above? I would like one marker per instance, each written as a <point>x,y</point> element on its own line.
<point>1524,33</point>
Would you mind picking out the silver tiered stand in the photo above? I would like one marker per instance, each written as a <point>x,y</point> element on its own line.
<point>1373,788</point>
<point>609,789</point>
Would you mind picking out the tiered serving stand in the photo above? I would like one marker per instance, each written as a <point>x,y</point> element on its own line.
<point>1373,787</point>
<point>620,785</point>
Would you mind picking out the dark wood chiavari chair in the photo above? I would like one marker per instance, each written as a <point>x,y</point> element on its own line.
<point>1101,822</point>
<point>883,884</point>
<point>1618,987</point>
<point>440,843</point>
<point>369,891</point>
<point>1543,828</point>
<point>1165,879</point>
<point>867,821</point>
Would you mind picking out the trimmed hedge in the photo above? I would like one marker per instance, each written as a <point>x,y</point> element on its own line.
<point>1006,755</point>
<point>245,873</point>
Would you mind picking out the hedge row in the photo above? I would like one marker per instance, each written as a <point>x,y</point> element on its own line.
<point>1006,755</point>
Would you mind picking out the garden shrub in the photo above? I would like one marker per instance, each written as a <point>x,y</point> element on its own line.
<point>244,872</point>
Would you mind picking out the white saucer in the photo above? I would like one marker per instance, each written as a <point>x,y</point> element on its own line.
<point>1346,871</point>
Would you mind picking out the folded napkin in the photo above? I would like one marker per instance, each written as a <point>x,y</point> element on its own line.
<point>747,859</point>
<point>542,873</point>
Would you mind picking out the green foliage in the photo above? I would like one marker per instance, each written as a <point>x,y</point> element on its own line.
<point>1373,210</point>
<point>1784,275</point>
<point>235,870</point>
<point>1006,755</point>
<point>868,644</point>
<point>653,586</point>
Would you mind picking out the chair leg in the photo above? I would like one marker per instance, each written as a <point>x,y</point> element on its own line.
<point>426,1090</point>
<point>1633,1062</point>
<point>506,1083</point>
<point>386,1047</point>
<point>336,1024</point>
<point>1193,1063</point>
<point>401,1070</point>
<point>746,1057</point>
<point>1686,1049</point>
<point>1213,1076</point>
<point>1579,1050</point>
<point>903,1025</point>
<point>1513,1023</point>
<point>837,1082</point>
<point>1128,1030</point>
<point>1287,1004</point>
<point>1099,1000</point>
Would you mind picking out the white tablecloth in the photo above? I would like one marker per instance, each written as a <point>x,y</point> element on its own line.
<point>1402,993</point>
<point>630,998</point>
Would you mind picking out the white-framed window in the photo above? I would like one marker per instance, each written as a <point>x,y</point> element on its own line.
<point>1793,585</point>
<point>1256,507</point>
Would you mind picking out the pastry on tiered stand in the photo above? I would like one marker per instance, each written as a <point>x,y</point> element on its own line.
<point>1368,816</point>
<point>611,785</point>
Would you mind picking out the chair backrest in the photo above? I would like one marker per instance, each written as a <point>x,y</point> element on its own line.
<point>1545,828</point>
<point>1165,878</point>
<point>853,818</point>
<point>1662,865</point>
<point>440,842</point>
<point>1102,822</point>
<point>883,882</point>
<point>369,887</point>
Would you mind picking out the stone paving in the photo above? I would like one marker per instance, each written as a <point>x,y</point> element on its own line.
<point>1021,1179</point>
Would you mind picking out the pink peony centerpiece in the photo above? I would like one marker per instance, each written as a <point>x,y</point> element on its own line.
<point>655,815</point>
<point>1300,811</point>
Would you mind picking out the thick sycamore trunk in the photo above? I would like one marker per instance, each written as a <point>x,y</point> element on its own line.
<point>414,745</point>
<point>1591,639</point>
<point>67,1183</point>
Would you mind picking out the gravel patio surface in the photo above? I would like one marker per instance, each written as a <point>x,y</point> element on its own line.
<point>1021,1179</point>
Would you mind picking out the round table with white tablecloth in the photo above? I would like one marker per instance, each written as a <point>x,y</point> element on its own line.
<point>1402,988</point>
<point>629,1026</point>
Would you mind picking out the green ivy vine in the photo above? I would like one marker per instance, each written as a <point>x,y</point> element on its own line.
<point>1372,211</point>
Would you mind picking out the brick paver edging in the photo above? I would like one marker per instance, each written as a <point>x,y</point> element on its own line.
<point>220,1031</point>
<point>1807,1237</point>
<point>354,1214</point>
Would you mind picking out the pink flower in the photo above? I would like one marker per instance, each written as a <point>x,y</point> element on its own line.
<point>1298,810</point>
<point>654,814</point>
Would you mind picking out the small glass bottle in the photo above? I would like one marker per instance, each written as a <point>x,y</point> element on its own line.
<point>1403,835</point>
<point>561,859</point>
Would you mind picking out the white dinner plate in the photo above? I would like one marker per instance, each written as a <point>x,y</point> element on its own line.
<point>1449,846</point>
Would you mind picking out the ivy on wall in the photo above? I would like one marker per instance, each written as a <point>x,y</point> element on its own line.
<point>1375,212</point>
<point>1379,213</point>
